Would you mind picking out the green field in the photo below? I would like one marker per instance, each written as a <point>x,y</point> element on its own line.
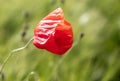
<point>93,57</point>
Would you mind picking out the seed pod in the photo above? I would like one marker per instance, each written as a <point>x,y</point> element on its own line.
<point>2,76</point>
<point>23,34</point>
<point>81,35</point>
<point>62,1</point>
<point>26,14</point>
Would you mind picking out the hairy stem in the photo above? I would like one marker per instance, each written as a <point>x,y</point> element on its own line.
<point>12,52</point>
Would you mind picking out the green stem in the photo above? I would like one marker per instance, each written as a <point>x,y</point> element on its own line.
<point>60,62</point>
<point>11,53</point>
<point>62,59</point>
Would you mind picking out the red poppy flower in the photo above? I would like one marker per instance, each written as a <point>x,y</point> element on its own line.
<point>54,33</point>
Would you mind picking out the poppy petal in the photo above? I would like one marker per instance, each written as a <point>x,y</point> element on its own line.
<point>54,33</point>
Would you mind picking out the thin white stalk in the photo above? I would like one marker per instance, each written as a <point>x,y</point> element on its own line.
<point>12,52</point>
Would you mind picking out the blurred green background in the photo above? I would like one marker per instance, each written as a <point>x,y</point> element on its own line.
<point>94,57</point>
